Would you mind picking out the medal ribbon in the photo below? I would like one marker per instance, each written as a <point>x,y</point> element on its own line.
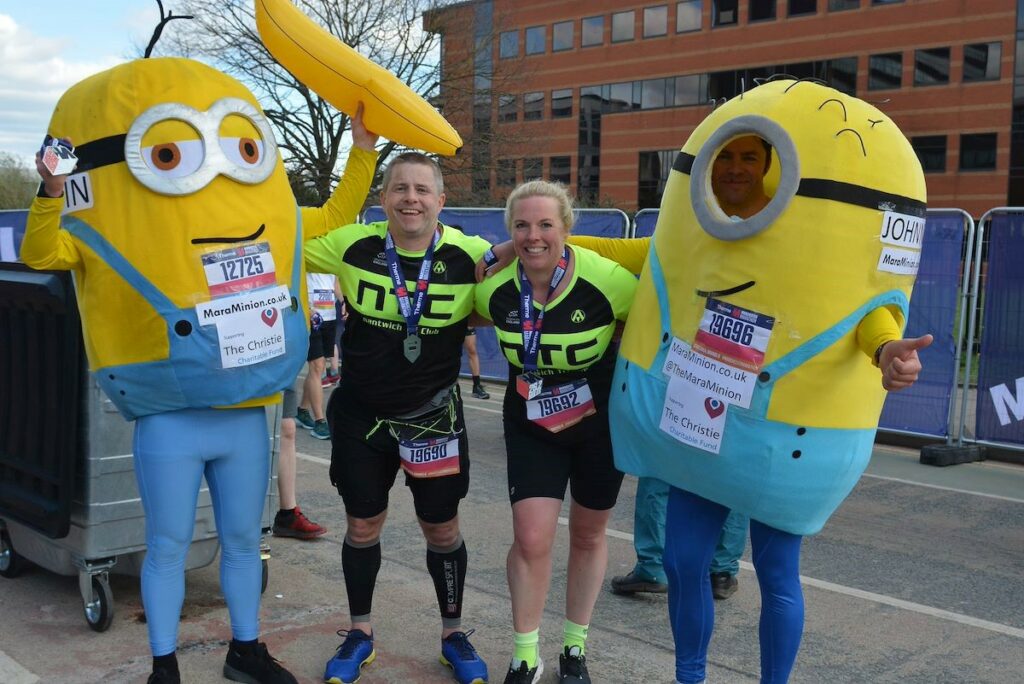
<point>411,312</point>
<point>531,325</point>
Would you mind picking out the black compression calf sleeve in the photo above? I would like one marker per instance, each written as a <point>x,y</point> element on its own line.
<point>360,562</point>
<point>447,567</point>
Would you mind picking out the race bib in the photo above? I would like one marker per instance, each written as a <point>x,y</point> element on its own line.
<point>430,457</point>
<point>323,299</point>
<point>733,335</point>
<point>250,325</point>
<point>558,408</point>
<point>238,269</point>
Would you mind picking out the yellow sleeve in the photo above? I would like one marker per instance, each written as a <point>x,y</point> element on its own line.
<point>882,325</point>
<point>630,253</point>
<point>46,244</point>
<point>343,206</point>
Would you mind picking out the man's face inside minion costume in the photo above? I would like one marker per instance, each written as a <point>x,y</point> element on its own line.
<point>737,176</point>
<point>177,161</point>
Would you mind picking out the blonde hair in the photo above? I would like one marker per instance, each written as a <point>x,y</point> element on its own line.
<point>542,188</point>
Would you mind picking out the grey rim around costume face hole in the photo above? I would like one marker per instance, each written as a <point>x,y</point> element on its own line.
<point>705,205</point>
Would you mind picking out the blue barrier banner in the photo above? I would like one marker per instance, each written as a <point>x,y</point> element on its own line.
<point>489,223</point>
<point>1000,416</point>
<point>644,222</point>
<point>924,407</point>
<point>12,231</point>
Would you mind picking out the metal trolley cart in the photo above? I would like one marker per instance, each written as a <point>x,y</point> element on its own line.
<point>68,496</point>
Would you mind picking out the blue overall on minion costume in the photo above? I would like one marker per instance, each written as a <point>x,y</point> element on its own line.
<point>819,261</point>
<point>190,376</point>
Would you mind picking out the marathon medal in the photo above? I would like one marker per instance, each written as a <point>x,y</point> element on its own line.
<point>529,384</point>
<point>411,347</point>
<point>412,344</point>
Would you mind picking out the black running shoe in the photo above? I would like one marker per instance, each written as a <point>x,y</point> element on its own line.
<point>164,676</point>
<point>254,665</point>
<point>525,674</point>
<point>572,666</point>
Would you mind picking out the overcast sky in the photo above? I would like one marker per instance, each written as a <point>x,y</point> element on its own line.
<point>47,46</point>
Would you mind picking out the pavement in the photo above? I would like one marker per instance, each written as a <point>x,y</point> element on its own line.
<point>917,578</point>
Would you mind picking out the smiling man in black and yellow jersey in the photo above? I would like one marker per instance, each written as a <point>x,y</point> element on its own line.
<point>409,285</point>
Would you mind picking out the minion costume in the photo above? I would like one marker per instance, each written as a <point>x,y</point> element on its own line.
<point>745,377</point>
<point>186,248</point>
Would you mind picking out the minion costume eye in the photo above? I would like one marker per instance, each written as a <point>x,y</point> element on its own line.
<point>182,167</point>
<point>710,215</point>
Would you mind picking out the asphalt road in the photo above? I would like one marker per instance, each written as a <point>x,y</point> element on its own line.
<point>919,577</point>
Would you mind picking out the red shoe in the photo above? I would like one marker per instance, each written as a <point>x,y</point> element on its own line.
<point>300,527</point>
<point>329,380</point>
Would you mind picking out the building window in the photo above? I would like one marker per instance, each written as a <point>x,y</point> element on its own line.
<point>931,150</point>
<point>533,168</point>
<point>560,171</point>
<point>931,66</point>
<point>688,15</point>
<point>723,12</point>
<point>841,5</point>
<point>620,97</point>
<point>655,21</point>
<point>982,61</point>
<point>885,71</point>
<point>798,7</point>
<point>533,106</point>
<point>592,31</point>
<point>690,90</point>
<point>841,74</point>
<point>652,93</point>
<point>506,173</point>
<point>509,45</point>
<point>654,170</point>
<point>622,26</point>
<point>536,37</point>
<point>562,36</point>
<point>507,108</point>
<point>762,10</point>
<point>978,152</point>
<point>561,103</point>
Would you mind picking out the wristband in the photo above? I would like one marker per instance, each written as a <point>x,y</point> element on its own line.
<point>878,353</point>
<point>489,258</point>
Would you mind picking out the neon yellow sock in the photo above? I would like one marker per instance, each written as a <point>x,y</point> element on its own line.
<point>575,635</point>
<point>526,648</point>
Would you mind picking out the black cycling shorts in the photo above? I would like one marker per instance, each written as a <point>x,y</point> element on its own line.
<point>541,463</point>
<point>364,469</point>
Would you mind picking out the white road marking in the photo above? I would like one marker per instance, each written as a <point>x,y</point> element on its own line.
<point>945,489</point>
<point>13,673</point>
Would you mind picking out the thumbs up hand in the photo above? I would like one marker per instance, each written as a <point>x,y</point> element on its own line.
<point>900,363</point>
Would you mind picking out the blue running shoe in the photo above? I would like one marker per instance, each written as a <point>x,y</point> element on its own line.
<point>458,654</point>
<point>353,653</point>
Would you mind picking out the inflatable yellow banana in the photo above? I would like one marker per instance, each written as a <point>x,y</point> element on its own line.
<point>345,78</point>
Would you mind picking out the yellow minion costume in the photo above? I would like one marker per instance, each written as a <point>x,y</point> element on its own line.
<point>186,244</point>
<point>745,378</point>
<point>816,262</point>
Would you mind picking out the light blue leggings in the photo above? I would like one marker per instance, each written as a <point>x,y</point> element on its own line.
<point>694,525</point>
<point>173,451</point>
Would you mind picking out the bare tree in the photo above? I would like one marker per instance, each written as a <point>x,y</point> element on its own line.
<point>309,130</point>
<point>17,182</point>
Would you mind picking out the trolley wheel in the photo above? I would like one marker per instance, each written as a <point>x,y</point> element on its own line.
<point>11,564</point>
<point>99,610</point>
<point>266,577</point>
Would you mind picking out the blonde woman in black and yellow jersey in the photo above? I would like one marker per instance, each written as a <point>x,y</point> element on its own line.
<point>555,417</point>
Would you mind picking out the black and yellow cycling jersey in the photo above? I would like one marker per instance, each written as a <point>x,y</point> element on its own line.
<point>377,377</point>
<point>578,324</point>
